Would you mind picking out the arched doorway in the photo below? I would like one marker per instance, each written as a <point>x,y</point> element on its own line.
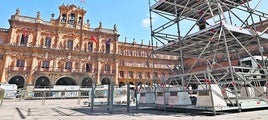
<point>42,82</point>
<point>86,82</point>
<point>66,81</point>
<point>18,80</point>
<point>121,84</point>
<point>131,83</point>
<point>105,81</point>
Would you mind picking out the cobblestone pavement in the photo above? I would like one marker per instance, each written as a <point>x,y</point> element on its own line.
<point>76,110</point>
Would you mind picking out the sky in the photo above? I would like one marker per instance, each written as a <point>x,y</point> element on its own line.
<point>130,16</point>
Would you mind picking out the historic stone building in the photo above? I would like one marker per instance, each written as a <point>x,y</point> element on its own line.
<point>67,51</point>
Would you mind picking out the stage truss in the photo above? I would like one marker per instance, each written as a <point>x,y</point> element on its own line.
<point>219,46</point>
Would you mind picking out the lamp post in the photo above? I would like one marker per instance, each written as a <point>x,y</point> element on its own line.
<point>128,96</point>
<point>92,93</point>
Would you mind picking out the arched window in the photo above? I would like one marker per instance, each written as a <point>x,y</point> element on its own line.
<point>63,20</point>
<point>80,20</point>
<point>72,18</point>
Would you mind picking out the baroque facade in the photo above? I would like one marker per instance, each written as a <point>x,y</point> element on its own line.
<point>67,51</point>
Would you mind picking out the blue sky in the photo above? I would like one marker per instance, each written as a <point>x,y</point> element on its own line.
<point>130,16</point>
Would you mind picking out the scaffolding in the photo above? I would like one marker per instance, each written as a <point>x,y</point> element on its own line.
<point>210,59</point>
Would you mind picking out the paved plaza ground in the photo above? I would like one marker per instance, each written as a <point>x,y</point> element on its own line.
<point>76,110</point>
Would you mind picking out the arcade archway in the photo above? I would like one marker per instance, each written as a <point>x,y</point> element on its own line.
<point>86,82</point>
<point>105,81</point>
<point>42,82</point>
<point>131,83</point>
<point>121,84</point>
<point>18,80</point>
<point>66,81</point>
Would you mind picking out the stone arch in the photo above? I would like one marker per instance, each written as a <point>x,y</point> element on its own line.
<point>18,80</point>
<point>87,82</point>
<point>42,82</point>
<point>105,81</point>
<point>121,84</point>
<point>66,81</point>
<point>131,83</point>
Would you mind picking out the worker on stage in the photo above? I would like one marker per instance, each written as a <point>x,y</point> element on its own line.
<point>202,21</point>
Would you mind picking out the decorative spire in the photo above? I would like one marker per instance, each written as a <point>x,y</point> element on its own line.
<point>38,15</point>
<point>115,28</point>
<point>134,42</point>
<point>52,15</point>
<point>141,41</point>
<point>88,23</point>
<point>17,11</point>
<point>125,40</point>
<point>100,25</point>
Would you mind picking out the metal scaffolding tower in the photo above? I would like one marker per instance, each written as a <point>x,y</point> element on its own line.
<point>211,58</point>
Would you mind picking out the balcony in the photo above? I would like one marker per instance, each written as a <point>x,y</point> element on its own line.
<point>107,72</point>
<point>20,70</point>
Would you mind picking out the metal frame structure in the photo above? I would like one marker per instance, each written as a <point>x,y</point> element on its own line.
<point>109,96</point>
<point>219,46</point>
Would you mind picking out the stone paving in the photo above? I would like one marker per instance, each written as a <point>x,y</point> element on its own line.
<point>76,110</point>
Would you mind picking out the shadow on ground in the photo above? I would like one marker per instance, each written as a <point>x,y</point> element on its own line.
<point>102,111</point>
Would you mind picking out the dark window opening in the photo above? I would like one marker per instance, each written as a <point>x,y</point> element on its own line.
<point>155,74</point>
<point>72,18</point>
<point>24,39</point>
<point>148,75</point>
<point>107,67</point>
<point>45,64</point>
<point>80,20</point>
<point>130,73</point>
<point>20,63</point>
<point>70,44</point>
<point>121,74</point>
<point>68,65</point>
<point>48,41</point>
<point>90,46</point>
<point>88,67</point>
<point>108,48</point>
<point>63,20</point>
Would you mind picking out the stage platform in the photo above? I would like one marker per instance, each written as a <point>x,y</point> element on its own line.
<point>191,8</point>
<point>213,39</point>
